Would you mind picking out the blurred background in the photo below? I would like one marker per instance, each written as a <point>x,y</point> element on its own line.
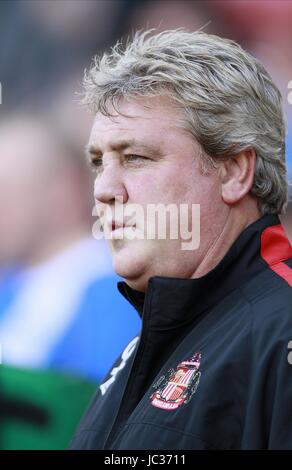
<point>62,321</point>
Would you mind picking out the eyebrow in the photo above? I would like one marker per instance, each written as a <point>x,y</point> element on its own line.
<point>91,149</point>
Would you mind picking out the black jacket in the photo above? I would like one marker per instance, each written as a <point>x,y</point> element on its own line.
<point>211,367</point>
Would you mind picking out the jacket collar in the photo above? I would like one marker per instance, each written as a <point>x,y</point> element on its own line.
<point>175,301</point>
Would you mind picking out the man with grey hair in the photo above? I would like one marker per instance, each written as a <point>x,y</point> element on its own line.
<point>190,119</point>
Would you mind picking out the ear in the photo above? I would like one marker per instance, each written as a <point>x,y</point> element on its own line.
<point>237,175</point>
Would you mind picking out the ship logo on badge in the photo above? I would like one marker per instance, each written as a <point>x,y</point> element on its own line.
<point>177,387</point>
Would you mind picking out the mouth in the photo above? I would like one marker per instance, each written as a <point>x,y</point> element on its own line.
<point>119,230</point>
<point>116,226</point>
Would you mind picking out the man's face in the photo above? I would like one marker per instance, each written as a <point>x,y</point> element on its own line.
<point>143,156</point>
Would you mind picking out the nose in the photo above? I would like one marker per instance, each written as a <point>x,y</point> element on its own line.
<point>109,187</point>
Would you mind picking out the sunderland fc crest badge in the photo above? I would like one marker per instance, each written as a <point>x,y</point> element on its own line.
<point>177,387</point>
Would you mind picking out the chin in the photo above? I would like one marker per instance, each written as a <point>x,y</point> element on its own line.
<point>132,271</point>
<point>127,270</point>
<point>139,284</point>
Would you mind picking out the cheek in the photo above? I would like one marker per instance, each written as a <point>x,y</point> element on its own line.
<point>156,187</point>
<point>175,185</point>
<point>144,189</point>
<point>205,190</point>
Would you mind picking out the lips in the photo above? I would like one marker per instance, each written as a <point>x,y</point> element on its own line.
<point>115,225</point>
<point>117,230</point>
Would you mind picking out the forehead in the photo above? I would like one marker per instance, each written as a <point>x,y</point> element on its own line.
<point>153,119</point>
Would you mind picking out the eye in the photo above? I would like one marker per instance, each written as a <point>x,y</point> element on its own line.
<point>95,163</point>
<point>133,158</point>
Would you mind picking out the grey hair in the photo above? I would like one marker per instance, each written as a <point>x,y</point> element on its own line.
<point>230,101</point>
